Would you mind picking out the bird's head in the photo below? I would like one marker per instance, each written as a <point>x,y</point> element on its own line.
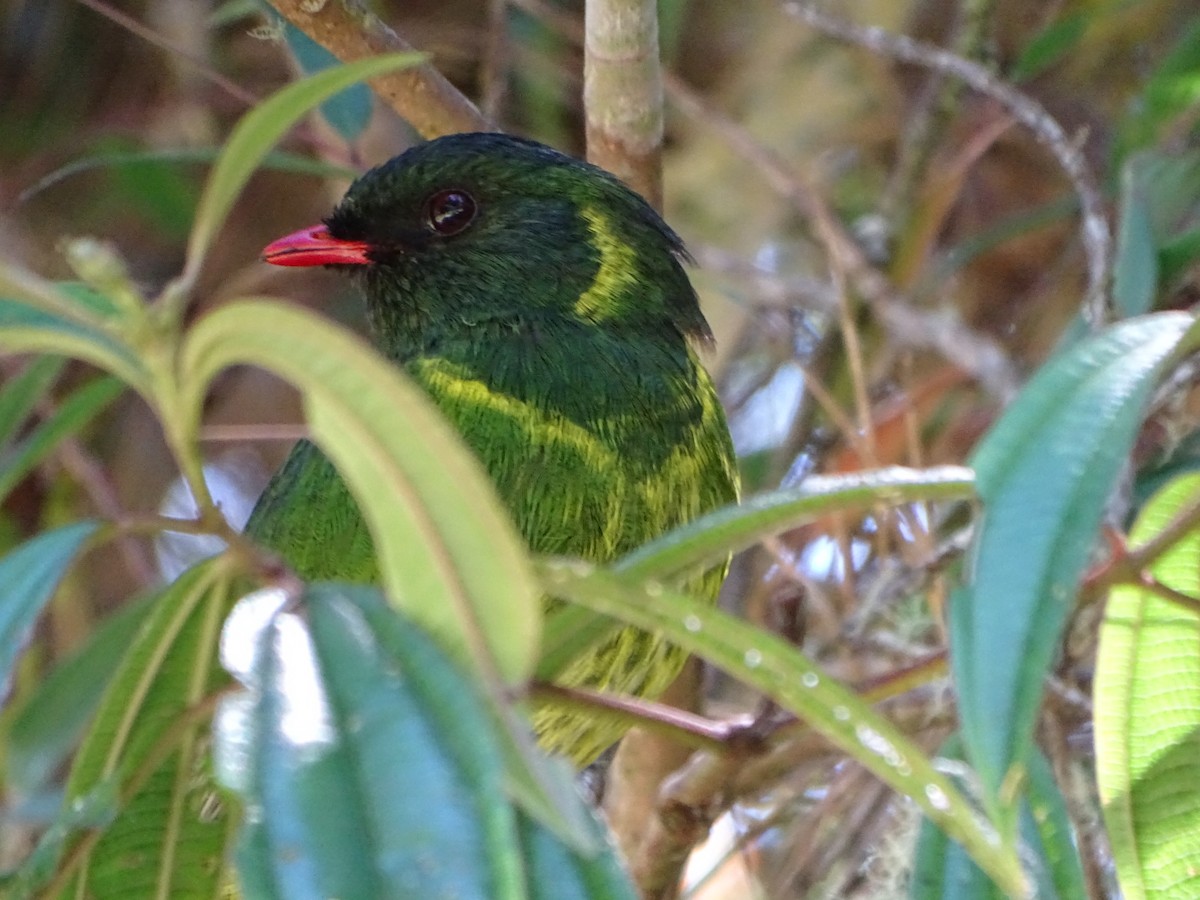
<point>475,228</point>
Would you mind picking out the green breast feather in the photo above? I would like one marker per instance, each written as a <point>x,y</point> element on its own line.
<point>553,331</point>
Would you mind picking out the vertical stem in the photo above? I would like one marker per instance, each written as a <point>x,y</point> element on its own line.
<point>623,92</point>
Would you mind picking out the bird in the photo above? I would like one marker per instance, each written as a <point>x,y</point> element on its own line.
<point>544,307</point>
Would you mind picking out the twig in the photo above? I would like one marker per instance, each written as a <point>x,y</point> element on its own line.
<point>150,36</point>
<point>496,57</point>
<point>90,475</point>
<point>421,94</point>
<point>943,331</point>
<point>1094,230</point>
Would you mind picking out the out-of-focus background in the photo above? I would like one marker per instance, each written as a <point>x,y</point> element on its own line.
<point>110,113</point>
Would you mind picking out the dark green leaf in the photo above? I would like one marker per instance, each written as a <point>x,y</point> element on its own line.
<point>75,412</point>
<point>1050,45</point>
<point>371,763</point>
<point>943,871</point>
<point>1044,473</point>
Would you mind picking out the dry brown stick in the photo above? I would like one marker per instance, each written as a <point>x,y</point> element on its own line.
<point>421,94</point>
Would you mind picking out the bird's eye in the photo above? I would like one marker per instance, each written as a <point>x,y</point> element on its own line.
<point>449,212</point>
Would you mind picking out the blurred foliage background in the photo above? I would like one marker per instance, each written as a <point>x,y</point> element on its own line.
<point>109,113</point>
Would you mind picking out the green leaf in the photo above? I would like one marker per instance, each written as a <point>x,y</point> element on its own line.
<point>258,131</point>
<point>1160,206</point>
<point>448,554</point>
<point>29,576</point>
<point>349,112</point>
<point>785,675</point>
<point>711,538</point>
<point>26,329</point>
<point>942,870</point>
<point>51,718</point>
<point>21,394</point>
<point>74,413</point>
<point>1147,720</point>
<point>150,738</point>
<point>1050,45</point>
<point>1135,269</point>
<point>1170,93</point>
<point>1044,473</point>
<point>349,708</point>
<point>371,766</point>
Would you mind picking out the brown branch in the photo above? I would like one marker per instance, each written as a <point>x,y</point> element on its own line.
<point>421,94</point>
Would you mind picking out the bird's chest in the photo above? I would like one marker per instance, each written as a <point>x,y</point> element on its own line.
<point>588,451</point>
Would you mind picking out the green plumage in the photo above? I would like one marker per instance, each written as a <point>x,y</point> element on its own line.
<point>555,330</point>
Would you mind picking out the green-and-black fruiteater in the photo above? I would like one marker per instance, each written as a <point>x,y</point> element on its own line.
<point>544,307</point>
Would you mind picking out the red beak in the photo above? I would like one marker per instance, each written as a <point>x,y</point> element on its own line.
<point>315,246</point>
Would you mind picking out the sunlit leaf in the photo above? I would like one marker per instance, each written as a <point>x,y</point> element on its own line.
<point>1147,720</point>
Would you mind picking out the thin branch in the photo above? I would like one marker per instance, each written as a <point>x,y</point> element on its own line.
<point>421,94</point>
<point>133,26</point>
<point>91,476</point>
<point>1094,230</point>
<point>942,331</point>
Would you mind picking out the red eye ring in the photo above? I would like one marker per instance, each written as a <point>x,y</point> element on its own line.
<point>450,212</point>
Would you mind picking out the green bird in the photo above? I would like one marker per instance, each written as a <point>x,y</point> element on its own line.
<point>544,307</point>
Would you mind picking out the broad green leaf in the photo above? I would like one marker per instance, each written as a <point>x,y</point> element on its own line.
<point>50,720</point>
<point>556,872</point>
<point>29,576</point>
<point>21,394</point>
<point>449,556</point>
<point>570,630</point>
<point>150,737</point>
<point>258,131</point>
<point>74,413</point>
<point>781,672</point>
<point>1147,718</point>
<point>26,329</point>
<point>942,871</point>
<point>372,764</point>
<point>1045,472</point>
